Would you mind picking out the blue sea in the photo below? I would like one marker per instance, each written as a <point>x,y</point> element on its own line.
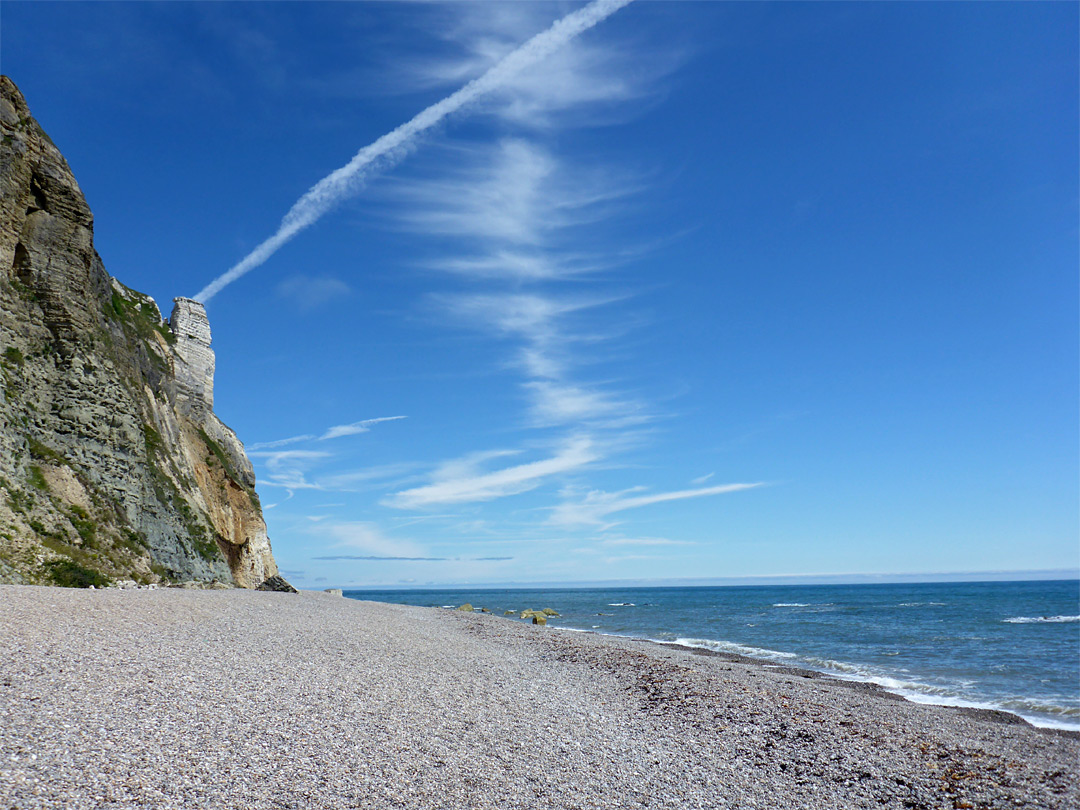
<point>1001,645</point>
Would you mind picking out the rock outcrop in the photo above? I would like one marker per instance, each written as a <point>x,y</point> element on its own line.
<point>111,458</point>
<point>276,583</point>
<point>195,371</point>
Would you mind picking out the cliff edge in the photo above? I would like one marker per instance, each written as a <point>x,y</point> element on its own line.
<point>113,465</point>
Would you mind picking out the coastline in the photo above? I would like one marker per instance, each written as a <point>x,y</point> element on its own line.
<point>174,698</point>
<point>870,687</point>
<point>975,645</point>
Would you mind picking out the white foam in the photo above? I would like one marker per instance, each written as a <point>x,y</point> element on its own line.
<point>731,647</point>
<point>913,690</point>
<point>621,604</point>
<point>790,604</point>
<point>1041,619</point>
<point>940,697</point>
<point>931,695</point>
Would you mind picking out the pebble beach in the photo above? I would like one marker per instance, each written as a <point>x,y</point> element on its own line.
<point>238,699</point>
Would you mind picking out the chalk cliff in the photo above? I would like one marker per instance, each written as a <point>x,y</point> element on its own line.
<point>112,462</point>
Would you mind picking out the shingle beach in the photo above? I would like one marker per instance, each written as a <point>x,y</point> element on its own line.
<point>239,699</point>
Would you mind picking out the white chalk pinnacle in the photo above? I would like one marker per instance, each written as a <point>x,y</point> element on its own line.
<point>195,372</point>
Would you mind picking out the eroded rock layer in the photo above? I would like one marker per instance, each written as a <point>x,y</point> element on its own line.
<point>112,462</point>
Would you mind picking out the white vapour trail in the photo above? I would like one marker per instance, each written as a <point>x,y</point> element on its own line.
<point>391,147</point>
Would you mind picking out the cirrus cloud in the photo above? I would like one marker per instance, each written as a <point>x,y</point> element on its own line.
<point>458,482</point>
<point>596,505</point>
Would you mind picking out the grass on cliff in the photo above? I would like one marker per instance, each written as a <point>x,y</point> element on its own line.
<point>69,574</point>
<point>24,292</point>
<point>230,471</point>
<point>37,478</point>
<point>171,498</point>
<point>139,318</point>
<point>152,440</point>
<point>18,501</point>
<point>45,453</point>
<point>220,455</point>
<point>142,314</point>
<point>86,528</point>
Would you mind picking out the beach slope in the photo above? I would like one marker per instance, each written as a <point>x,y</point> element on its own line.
<point>239,699</point>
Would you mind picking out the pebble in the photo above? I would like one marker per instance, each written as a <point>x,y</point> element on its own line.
<point>176,698</point>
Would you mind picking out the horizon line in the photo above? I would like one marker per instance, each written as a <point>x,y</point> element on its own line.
<point>908,578</point>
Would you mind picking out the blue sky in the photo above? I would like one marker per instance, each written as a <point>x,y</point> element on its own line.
<point>714,290</point>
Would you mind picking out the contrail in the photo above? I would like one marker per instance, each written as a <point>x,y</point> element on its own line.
<point>391,147</point>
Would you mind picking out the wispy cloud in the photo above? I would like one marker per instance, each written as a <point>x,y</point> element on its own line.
<point>370,539</point>
<point>287,468</point>
<point>512,207</point>
<point>627,558</point>
<point>537,318</point>
<point>289,494</point>
<point>587,82</point>
<point>518,218</point>
<point>392,147</point>
<point>307,293</point>
<point>596,505</point>
<point>520,234</point>
<point>460,481</point>
<point>375,545</point>
<point>351,429</point>
<point>412,559</point>
<point>335,432</point>
<point>365,478</point>
<point>645,541</point>
<point>258,448</point>
<point>560,403</point>
<point>548,354</point>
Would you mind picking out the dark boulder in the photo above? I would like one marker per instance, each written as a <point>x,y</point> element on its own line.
<point>276,583</point>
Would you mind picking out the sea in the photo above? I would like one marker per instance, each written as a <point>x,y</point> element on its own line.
<point>1013,646</point>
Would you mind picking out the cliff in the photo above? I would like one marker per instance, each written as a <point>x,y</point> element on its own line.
<point>112,462</point>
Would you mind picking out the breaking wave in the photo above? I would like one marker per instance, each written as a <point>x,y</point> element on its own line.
<point>1062,714</point>
<point>1041,619</point>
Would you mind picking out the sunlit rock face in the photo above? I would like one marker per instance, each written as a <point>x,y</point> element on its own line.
<point>112,461</point>
<point>195,371</point>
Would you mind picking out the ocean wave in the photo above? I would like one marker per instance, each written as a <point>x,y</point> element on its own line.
<point>621,604</point>
<point>790,604</point>
<point>922,604</point>
<point>1041,619</point>
<point>732,647</point>
<point>1034,710</point>
<point>1044,713</point>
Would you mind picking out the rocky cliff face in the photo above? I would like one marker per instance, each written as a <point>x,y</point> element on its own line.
<point>112,462</point>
